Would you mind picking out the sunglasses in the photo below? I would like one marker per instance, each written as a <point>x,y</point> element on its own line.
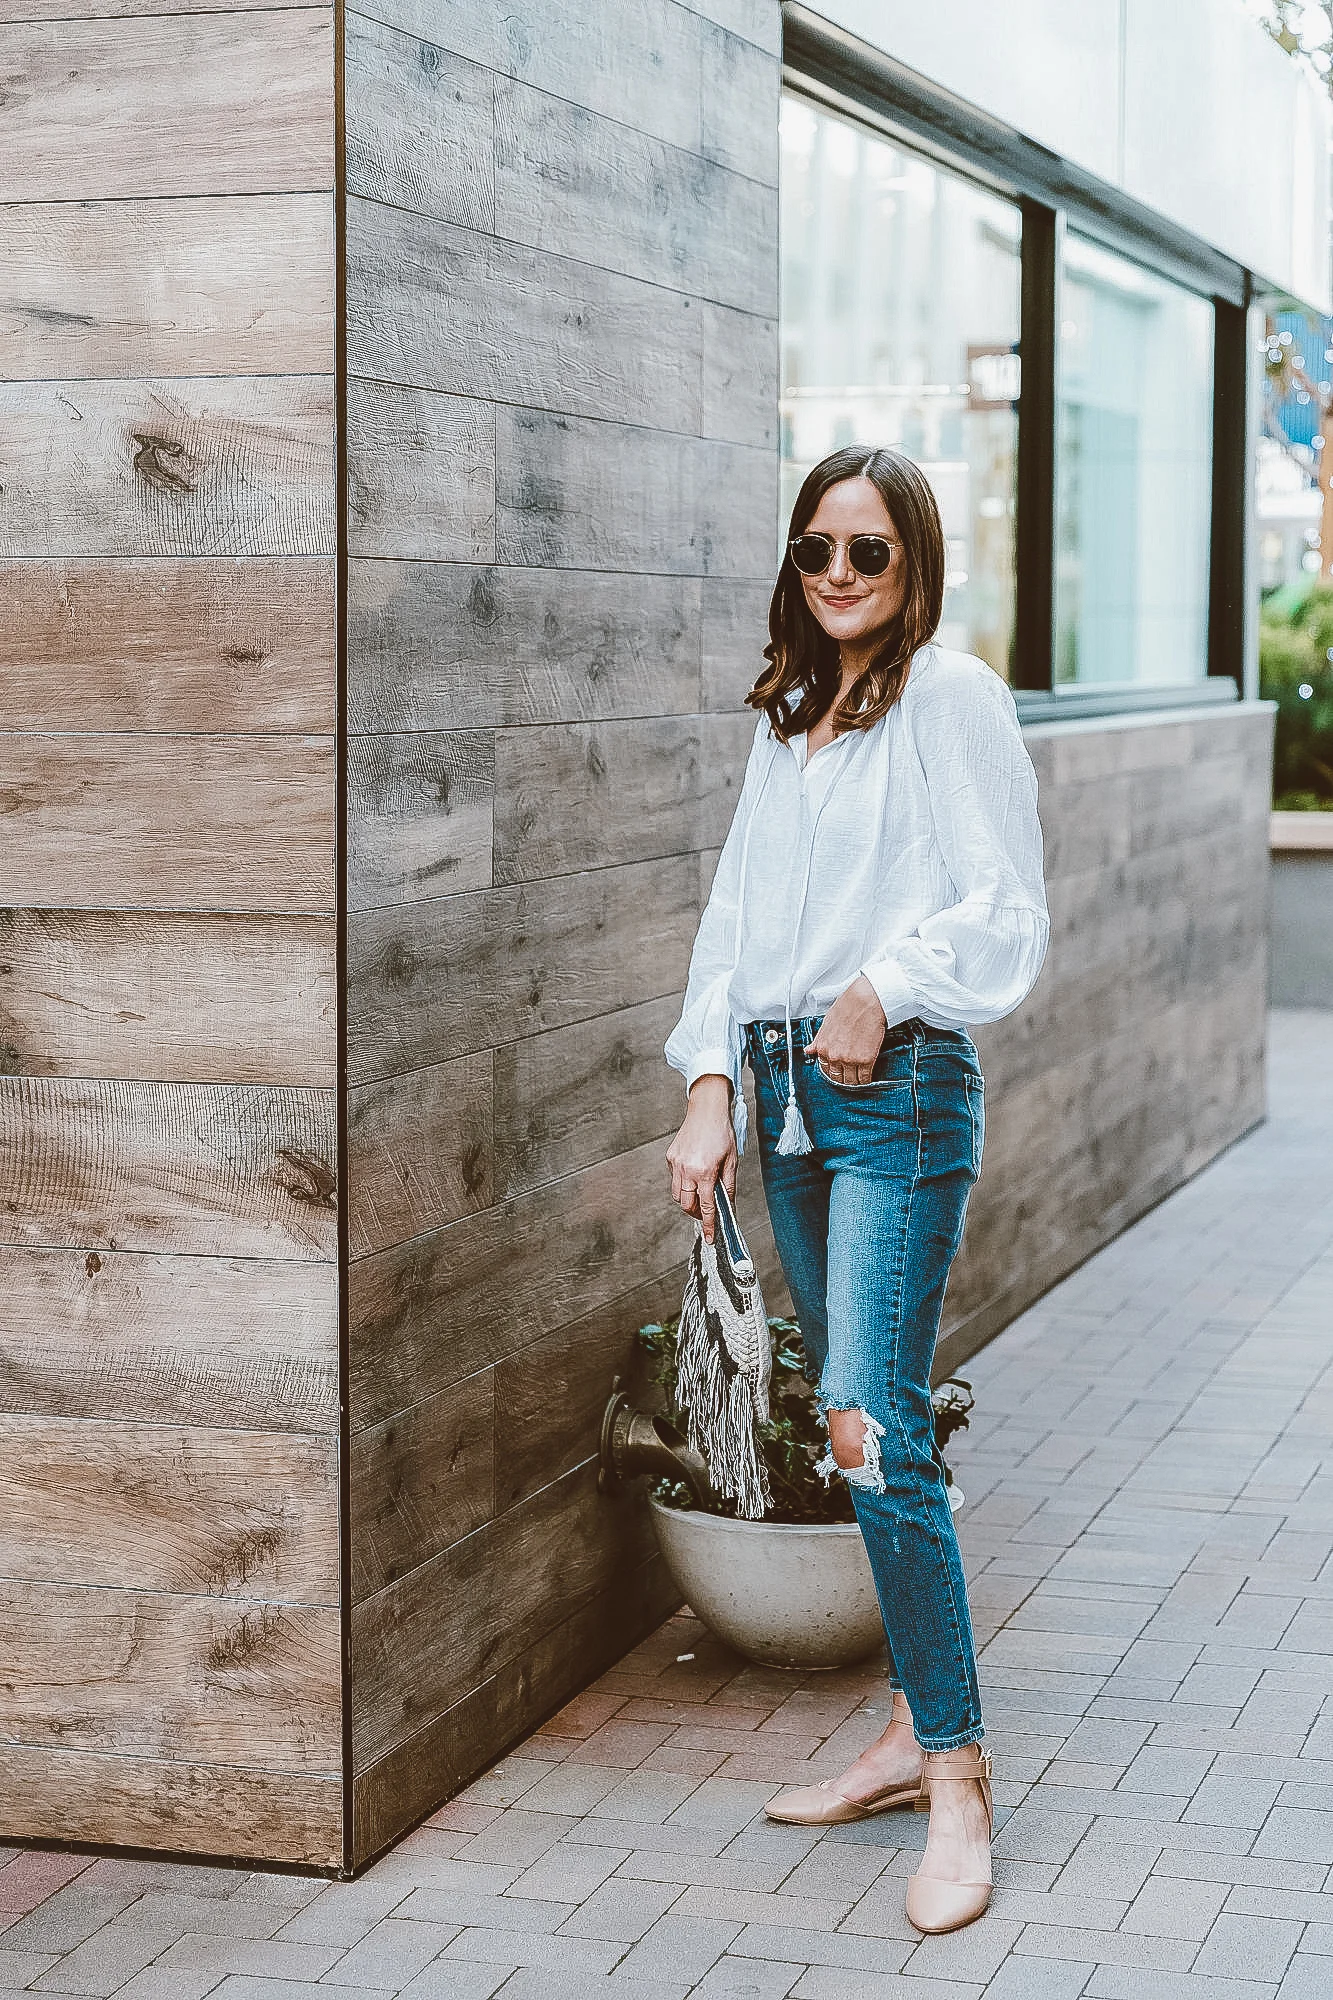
<point>869,555</point>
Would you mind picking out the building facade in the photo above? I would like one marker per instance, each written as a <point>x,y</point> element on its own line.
<point>397,407</point>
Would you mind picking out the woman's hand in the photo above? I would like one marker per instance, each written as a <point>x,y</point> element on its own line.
<point>704,1151</point>
<point>851,1034</point>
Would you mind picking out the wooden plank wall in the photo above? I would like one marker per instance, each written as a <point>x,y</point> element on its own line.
<point>561,297</point>
<point>169,1635</point>
<point>1140,1054</point>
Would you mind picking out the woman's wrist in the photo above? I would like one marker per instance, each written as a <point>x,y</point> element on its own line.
<point>710,1089</point>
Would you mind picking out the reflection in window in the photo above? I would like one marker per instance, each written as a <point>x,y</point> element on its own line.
<point>900,301</point>
<point>1134,473</point>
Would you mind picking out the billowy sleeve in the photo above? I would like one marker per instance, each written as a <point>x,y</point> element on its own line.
<point>707,1040</point>
<point>978,959</point>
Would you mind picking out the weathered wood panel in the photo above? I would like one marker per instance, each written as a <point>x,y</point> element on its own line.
<point>167,645</point>
<point>429,304</point>
<point>238,1342</point>
<point>737,391</point>
<point>237,466</point>
<point>566,1099</point>
<point>427,1313</point>
<point>573,493</point>
<point>168,822</point>
<point>236,1514</point>
<point>423,1481</point>
<point>185,999</point>
<point>420,127</point>
<point>204,1809</point>
<point>733,634</point>
<point>419,1151</point>
<point>552,1395</point>
<point>430,1765</point>
<point>423,1643</point>
<point>218,1170</point>
<point>631,203</point>
<point>433,980</point>
<point>421,474</point>
<point>419,815</point>
<point>587,53</point>
<point>241,286</point>
<point>186,1679</point>
<point>445,646</point>
<point>249,109</point>
<point>587,795</point>
<point>96,10</point>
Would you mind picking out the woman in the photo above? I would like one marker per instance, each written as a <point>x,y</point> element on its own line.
<point>881,888</point>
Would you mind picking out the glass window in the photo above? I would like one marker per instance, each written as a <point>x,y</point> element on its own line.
<point>900,302</point>
<point>1133,473</point>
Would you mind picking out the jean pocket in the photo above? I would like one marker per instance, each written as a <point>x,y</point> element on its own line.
<point>890,1073</point>
<point>976,1104</point>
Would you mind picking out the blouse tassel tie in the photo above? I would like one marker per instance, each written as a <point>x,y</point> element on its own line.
<point>795,1138</point>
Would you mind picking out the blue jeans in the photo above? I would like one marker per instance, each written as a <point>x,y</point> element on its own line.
<point>867,1226</point>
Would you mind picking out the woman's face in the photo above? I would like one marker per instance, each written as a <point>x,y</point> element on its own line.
<point>855,610</point>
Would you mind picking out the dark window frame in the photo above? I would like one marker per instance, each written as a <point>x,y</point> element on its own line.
<point>836,71</point>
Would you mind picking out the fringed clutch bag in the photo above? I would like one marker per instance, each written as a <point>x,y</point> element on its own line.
<point>724,1360</point>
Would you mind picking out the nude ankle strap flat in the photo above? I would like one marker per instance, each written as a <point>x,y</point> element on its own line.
<point>935,1906</point>
<point>824,1805</point>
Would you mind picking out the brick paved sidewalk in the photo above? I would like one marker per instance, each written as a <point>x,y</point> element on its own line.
<point>1149,1532</point>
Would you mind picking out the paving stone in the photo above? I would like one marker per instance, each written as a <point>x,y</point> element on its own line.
<point>1119,1982</point>
<point>569,1871</point>
<point>196,1952</point>
<point>1171,1908</point>
<point>24,1968</point>
<point>747,1979</point>
<point>975,1953</point>
<point>1041,1979</point>
<point>572,1787</point>
<point>391,1954</point>
<point>679,1948</point>
<point>621,1911</point>
<point>1289,1834</point>
<point>508,1913</point>
<point>824,1982</point>
<point>154,1984</point>
<point>344,1912</point>
<point>831,1948</point>
<point>1248,1947</point>
<point>1113,1948</point>
<point>455,1981</point>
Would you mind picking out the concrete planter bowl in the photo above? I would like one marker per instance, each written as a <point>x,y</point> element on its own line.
<point>800,1597</point>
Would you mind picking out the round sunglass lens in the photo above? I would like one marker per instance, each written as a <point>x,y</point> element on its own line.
<point>812,554</point>
<point>869,555</point>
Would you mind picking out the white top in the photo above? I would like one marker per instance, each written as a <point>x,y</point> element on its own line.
<point>910,851</point>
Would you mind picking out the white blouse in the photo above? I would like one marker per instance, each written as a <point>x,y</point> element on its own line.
<point>910,851</point>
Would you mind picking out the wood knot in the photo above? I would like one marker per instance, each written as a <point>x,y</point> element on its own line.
<point>244,1644</point>
<point>164,463</point>
<point>472,1166</point>
<point>243,656</point>
<point>398,965</point>
<point>11,1059</point>
<point>256,1550</point>
<point>306,1177</point>
<point>92,1263</point>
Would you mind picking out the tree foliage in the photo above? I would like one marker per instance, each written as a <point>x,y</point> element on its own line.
<point>1304,28</point>
<point>1296,671</point>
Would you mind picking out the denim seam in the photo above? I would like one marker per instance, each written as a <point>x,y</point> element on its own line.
<point>954,1742</point>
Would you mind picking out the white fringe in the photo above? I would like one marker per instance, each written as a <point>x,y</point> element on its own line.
<point>723,1360</point>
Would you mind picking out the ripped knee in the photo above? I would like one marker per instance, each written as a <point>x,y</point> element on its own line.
<point>854,1449</point>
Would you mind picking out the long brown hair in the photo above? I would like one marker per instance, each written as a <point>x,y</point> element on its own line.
<point>800,684</point>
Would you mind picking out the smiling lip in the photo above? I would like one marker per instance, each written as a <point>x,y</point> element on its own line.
<point>839,603</point>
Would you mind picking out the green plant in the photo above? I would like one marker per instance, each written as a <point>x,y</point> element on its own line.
<point>792,1439</point>
<point>1296,671</point>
